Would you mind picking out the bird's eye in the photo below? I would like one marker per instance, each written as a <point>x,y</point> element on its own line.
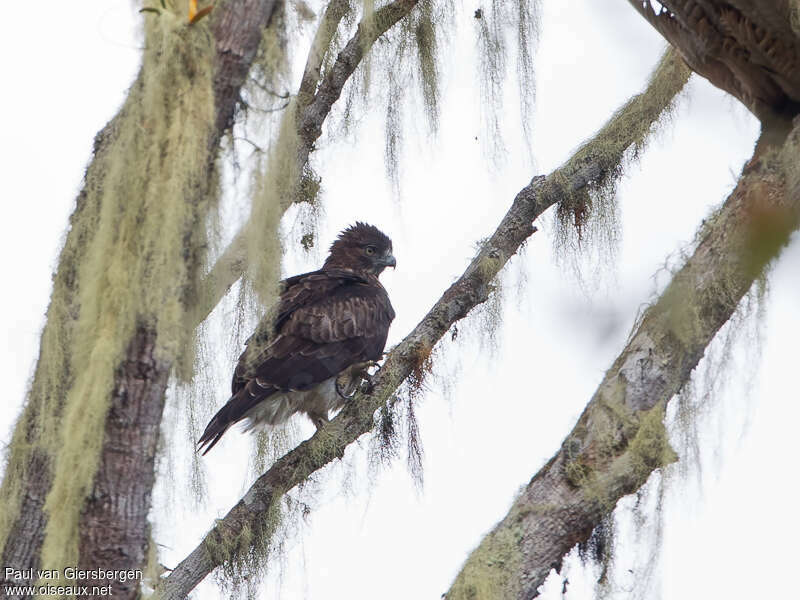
<point>370,250</point>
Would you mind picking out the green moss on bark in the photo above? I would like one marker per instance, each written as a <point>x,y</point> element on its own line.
<point>492,570</point>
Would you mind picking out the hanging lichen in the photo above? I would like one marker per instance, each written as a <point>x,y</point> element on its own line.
<point>414,53</point>
<point>245,553</point>
<point>527,39</point>
<point>587,218</point>
<point>493,24</point>
<point>490,24</point>
<point>150,193</point>
<point>268,446</point>
<point>402,67</point>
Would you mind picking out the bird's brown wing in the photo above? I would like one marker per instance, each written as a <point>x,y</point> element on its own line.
<point>297,292</point>
<point>326,322</point>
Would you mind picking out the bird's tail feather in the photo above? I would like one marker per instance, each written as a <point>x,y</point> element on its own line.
<point>232,412</point>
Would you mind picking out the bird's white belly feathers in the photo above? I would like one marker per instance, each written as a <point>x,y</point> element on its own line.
<point>316,402</point>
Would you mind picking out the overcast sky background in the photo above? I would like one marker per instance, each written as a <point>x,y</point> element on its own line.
<point>66,72</point>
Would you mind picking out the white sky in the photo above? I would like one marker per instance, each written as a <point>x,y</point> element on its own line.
<point>66,72</point>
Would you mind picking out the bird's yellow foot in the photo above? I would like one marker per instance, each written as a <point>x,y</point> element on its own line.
<point>194,14</point>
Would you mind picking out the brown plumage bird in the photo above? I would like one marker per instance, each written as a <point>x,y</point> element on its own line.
<point>311,353</point>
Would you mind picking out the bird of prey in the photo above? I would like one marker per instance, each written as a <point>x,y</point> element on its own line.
<point>311,353</point>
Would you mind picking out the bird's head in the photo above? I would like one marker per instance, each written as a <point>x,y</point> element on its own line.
<point>361,247</point>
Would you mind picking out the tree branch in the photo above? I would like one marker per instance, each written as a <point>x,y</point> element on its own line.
<point>321,45</point>
<point>369,30</point>
<point>589,167</point>
<point>238,28</point>
<point>620,439</point>
<point>749,52</point>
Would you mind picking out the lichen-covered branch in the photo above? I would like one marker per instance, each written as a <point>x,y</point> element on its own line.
<point>321,45</point>
<point>591,166</point>
<point>311,114</point>
<point>620,439</point>
<point>369,30</point>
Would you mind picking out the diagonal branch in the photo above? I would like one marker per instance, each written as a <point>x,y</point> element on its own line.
<point>321,45</point>
<point>369,30</point>
<point>313,111</point>
<point>620,439</point>
<point>590,167</point>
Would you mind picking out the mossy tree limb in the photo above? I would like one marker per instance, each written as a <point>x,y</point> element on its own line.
<point>620,439</point>
<point>588,179</point>
<point>237,29</point>
<point>334,13</point>
<point>587,168</point>
<point>369,30</point>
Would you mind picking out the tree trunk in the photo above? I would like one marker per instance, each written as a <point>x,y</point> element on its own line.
<point>114,531</point>
<point>237,28</point>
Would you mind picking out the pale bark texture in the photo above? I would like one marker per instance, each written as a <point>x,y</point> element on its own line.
<point>590,167</point>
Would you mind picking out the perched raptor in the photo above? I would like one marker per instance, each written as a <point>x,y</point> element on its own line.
<point>312,350</point>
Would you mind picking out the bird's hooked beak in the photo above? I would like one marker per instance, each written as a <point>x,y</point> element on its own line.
<point>388,260</point>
